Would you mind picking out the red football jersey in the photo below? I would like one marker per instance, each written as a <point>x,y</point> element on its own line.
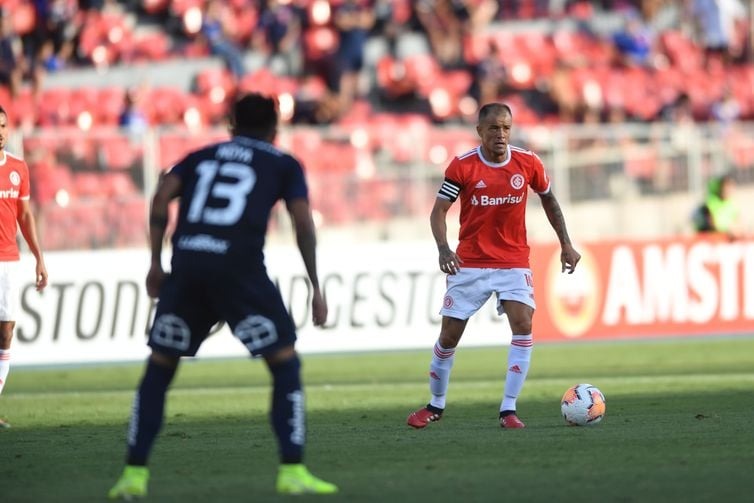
<point>14,185</point>
<point>493,205</point>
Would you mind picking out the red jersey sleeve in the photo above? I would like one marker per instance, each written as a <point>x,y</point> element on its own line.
<point>539,181</point>
<point>24,191</point>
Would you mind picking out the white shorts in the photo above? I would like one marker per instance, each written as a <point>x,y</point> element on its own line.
<point>8,291</point>
<point>470,288</point>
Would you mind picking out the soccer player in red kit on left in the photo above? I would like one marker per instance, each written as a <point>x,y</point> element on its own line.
<point>15,213</point>
<point>492,183</point>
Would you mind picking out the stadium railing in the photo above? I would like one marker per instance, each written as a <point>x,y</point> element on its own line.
<point>91,188</point>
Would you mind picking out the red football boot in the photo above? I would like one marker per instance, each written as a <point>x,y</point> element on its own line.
<point>511,421</point>
<point>423,417</point>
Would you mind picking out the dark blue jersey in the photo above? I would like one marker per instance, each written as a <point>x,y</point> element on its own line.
<point>229,190</point>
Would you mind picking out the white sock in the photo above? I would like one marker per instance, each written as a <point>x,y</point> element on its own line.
<point>439,374</point>
<point>519,356</point>
<point>4,367</point>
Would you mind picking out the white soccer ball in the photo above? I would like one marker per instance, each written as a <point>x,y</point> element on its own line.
<point>583,405</point>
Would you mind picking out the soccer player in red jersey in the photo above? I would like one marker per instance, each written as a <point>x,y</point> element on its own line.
<point>14,213</point>
<point>492,257</point>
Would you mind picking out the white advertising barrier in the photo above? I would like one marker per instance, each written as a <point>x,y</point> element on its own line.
<point>380,297</point>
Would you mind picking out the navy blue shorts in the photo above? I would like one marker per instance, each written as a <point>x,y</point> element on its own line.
<point>192,302</point>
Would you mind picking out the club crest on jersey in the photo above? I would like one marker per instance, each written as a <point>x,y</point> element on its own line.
<point>15,178</point>
<point>517,181</point>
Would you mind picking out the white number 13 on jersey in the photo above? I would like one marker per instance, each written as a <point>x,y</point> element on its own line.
<point>234,192</point>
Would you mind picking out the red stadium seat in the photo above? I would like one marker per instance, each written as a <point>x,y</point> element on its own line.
<point>179,7</point>
<point>424,70</point>
<point>172,147</point>
<point>24,17</point>
<point>165,105</point>
<point>684,54</point>
<point>117,152</point>
<point>54,108</point>
<point>88,185</point>
<point>22,111</point>
<point>111,102</point>
<point>84,100</point>
<point>154,46</point>
<point>319,42</point>
<point>155,6</point>
<point>119,185</point>
<point>213,79</point>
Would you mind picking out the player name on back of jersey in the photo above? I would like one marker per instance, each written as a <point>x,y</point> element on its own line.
<point>233,152</point>
<point>203,243</point>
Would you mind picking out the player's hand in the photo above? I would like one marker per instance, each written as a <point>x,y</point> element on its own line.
<point>319,308</point>
<point>569,258</point>
<point>155,277</point>
<point>450,263</point>
<point>41,272</point>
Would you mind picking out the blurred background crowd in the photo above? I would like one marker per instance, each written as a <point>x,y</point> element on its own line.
<point>556,60</point>
<point>368,86</point>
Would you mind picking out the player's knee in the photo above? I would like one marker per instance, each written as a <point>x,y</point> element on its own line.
<point>451,332</point>
<point>449,340</point>
<point>280,356</point>
<point>164,360</point>
<point>522,326</point>
<point>285,367</point>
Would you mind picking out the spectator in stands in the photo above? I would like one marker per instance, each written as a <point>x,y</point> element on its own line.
<point>526,9</point>
<point>634,42</point>
<point>717,21</point>
<point>719,212</point>
<point>217,32</point>
<point>60,26</point>
<point>132,119</point>
<point>726,109</point>
<point>353,20</point>
<point>563,95</point>
<point>12,61</point>
<point>445,24</point>
<point>490,77</point>
<point>278,36</point>
<point>680,111</point>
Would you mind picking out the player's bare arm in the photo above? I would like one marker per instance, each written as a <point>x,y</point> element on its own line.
<point>168,188</point>
<point>28,230</point>
<point>569,257</point>
<point>448,260</point>
<point>306,239</point>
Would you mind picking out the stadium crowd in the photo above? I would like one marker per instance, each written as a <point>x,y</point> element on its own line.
<point>364,69</point>
<point>553,60</point>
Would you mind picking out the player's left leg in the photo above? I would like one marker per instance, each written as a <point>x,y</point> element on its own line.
<point>288,417</point>
<point>519,357</point>
<point>257,315</point>
<point>146,421</point>
<point>6,334</point>
<point>8,307</point>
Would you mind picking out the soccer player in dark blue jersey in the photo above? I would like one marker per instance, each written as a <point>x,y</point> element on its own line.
<point>227,192</point>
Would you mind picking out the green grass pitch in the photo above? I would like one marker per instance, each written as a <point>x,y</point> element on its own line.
<point>679,427</point>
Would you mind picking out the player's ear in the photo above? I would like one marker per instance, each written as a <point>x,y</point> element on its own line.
<point>231,124</point>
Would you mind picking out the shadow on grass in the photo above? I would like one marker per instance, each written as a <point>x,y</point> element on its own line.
<point>689,447</point>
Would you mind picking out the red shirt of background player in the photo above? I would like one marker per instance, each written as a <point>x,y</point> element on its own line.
<point>493,206</point>
<point>14,185</point>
